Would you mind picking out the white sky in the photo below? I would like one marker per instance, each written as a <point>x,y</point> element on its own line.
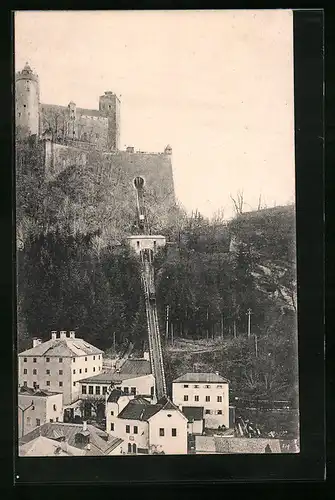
<point>216,85</point>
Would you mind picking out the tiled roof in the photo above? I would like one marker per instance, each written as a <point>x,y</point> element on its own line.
<point>42,446</point>
<point>100,442</point>
<point>167,404</point>
<point>232,445</point>
<point>201,377</point>
<point>108,378</point>
<point>136,367</point>
<point>115,395</point>
<point>30,391</point>
<point>193,412</point>
<point>67,347</point>
<point>138,410</point>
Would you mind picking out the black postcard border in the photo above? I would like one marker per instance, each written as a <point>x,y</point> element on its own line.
<point>309,465</point>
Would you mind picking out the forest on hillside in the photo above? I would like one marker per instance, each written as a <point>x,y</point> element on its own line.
<point>84,277</point>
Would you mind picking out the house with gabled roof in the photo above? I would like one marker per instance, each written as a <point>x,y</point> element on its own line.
<point>146,428</point>
<point>209,391</point>
<point>59,363</point>
<point>84,437</point>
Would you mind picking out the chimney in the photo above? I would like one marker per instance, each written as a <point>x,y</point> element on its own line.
<point>130,149</point>
<point>53,335</point>
<point>146,356</point>
<point>217,373</point>
<point>72,334</point>
<point>36,342</point>
<point>84,425</point>
<point>62,334</point>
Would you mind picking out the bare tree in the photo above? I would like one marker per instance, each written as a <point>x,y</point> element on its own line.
<point>238,202</point>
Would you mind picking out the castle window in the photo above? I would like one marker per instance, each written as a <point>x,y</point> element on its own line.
<point>24,106</point>
<point>19,115</point>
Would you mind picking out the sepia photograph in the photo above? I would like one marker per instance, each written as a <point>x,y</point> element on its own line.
<point>155,233</point>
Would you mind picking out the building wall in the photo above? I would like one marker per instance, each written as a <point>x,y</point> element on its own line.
<point>168,420</point>
<point>70,386</point>
<point>43,411</point>
<point>142,385</point>
<point>60,156</point>
<point>211,390</point>
<point>139,242</point>
<point>93,129</point>
<point>141,439</point>
<point>195,427</point>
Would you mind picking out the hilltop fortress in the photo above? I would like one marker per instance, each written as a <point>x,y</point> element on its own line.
<point>65,136</point>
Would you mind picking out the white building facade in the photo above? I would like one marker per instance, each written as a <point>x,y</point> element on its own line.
<point>37,407</point>
<point>207,390</point>
<point>58,364</point>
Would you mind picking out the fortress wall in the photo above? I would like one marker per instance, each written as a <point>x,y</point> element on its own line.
<point>93,129</point>
<point>59,156</point>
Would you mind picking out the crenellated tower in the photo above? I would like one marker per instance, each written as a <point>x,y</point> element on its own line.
<point>27,102</point>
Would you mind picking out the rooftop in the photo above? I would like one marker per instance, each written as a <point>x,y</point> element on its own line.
<point>30,391</point>
<point>136,367</point>
<point>100,442</point>
<point>109,377</point>
<point>140,409</point>
<point>42,446</point>
<point>231,445</point>
<point>201,377</point>
<point>62,347</point>
<point>193,412</point>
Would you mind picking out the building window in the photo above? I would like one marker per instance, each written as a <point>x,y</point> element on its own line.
<point>112,427</point>
<point>135,429</point>
<point>133,390</point>
<point>60,384</point>
<point>94,368</point>
<point>34,372</point>
<point>185,398</point>
<point>55,408</point>
<point>47,360</point>
<point>219,399</point>
<point>74,372</point>
<point>219,412</point>
<point>161,432</point>
<point>219,386</point>
<point>152,389</point>
<point>48,382</point>
<point>208,398</point>
<point>48,372</point>
<point>74,384</point>
<point>25,360</point>
<point>174,432</point>
<point>196,398</point>
<point>112,413</point>
<point>85,358</point>
<point>79,370</point>
<point>57,419</point>
<point>126,390</point>
<point>38,422</point>
<point>129,447</point>
<point>51,420</point>
<point>207,386</point>
<point>134,448</point>
<point>196,387</point>
<point>104,390</point>
<point>208,412</point>
<point>90,389</point>
<point>60,372</point>
<point>60,360</point>
<point>85,370</point>
<point>25,371</point>
<point>93,358</point>
<point>34,360</point>
<point>185,385</point>
<point>119,388</point>
<point>128,429</point>
<point>97,390</point>
<point>99,356</point>
<point>24,382</point>
<point>74,360</point>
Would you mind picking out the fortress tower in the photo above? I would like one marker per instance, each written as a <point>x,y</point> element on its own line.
<point>109,106</point>
<point>27,97</point>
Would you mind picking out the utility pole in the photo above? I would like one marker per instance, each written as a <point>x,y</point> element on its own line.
<point>234,327</point>
<point>256,346</point>
<point>207,324</point>
<point>167,322</point>
<point>114,343</point>
<point>249,322</point>
<point>172,333</point>
<point>222,325</point>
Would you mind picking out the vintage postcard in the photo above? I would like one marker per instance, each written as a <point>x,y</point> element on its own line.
<point>155,232</point>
